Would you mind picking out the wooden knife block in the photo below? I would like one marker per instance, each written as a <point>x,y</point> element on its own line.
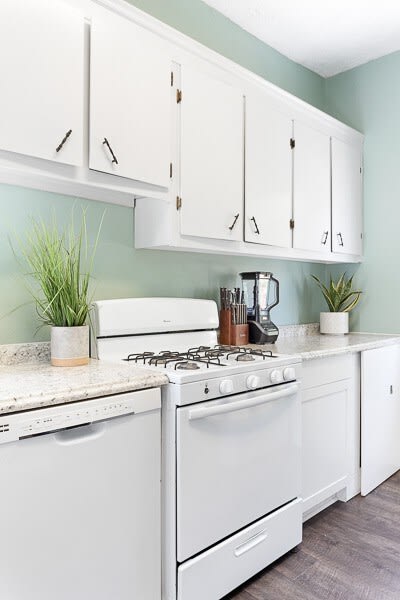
<point>229,334</point>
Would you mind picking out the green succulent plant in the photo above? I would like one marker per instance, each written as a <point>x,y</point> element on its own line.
<point>339,295</point>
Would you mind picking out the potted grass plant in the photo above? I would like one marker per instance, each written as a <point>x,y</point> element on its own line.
<point>341,299</point>
<point>60,264</point>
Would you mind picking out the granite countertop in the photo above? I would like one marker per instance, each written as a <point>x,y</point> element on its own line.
<point>28,381</point>
<point>38,384</point>
<point>319,346</point>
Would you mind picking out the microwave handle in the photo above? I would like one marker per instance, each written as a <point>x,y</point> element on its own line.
<point>220,409</point>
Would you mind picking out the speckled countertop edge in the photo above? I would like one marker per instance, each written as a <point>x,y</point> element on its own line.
<point>36,385</point>
<point>319,346</point>
<point>28,381</point>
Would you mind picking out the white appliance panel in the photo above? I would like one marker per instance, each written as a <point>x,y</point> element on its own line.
<point>107,349</point>
<point>82,508</point>
<point>237,459</point>
<point>219,570</point>
<point>153,315</point>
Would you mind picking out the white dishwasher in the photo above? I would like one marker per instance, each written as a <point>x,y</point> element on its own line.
<point>80,500</point>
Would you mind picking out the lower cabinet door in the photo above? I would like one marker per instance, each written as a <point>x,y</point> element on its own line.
<point>380,416</point>
<point>214,573</point>
<point>324,443</point>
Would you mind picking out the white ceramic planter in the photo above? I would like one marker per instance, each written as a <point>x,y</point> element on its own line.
<point>69,346</point>
<point>334,323</point>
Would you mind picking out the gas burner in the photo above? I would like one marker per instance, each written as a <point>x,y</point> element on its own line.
<point>226,348</point>
<point>264,353</point>
<point>238,350</point>
<point>216,353</point>
<point>163,357</point>
<point>197,350</point>
<point>245,357</point>
<point>139,356</point>
<point>187,365</point>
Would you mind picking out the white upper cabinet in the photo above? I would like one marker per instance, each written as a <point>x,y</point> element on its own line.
<point>312,189</point>
<point>42,80</point>
<point>268,182</point>
<point>211,155</point>
<point>130,100</point>
<point>346,198</point>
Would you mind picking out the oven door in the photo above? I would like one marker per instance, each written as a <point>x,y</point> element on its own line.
<point>238,459</point>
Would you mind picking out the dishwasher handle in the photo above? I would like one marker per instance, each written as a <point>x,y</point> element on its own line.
<point>80,434</point>
<point>219,409</point>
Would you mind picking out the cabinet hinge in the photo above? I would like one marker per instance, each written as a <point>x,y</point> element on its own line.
<point>291,223</point>
<point>292,143</point>
<point>178,96</point>
<point>172,78</point>
<point>170,170</point>
<point>178,202</point>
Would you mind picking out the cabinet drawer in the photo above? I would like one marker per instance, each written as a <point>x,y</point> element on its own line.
<point>219,570</point>
<point>329,369</point>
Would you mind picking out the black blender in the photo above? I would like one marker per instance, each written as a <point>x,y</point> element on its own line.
<point>261,293</point>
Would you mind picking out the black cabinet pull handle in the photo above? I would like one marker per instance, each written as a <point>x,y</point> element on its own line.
<point>255,225</point>
<point>114,158</point>
<point>324,237</point>
<point>234,222</point>
<point>63,140</point>
<point>339,235</point>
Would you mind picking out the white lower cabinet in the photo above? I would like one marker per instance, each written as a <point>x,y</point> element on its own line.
<point>380,416</point>
<point>330,426</point>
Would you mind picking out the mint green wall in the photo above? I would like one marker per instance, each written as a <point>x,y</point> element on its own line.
<point>122,271</point>
<point>206,25</point>
<point>368,98</point>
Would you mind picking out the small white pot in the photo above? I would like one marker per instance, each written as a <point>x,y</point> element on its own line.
<point>69,346</point>
<point>334,323</point>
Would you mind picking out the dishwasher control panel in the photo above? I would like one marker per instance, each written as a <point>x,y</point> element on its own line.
<point>55,418</point>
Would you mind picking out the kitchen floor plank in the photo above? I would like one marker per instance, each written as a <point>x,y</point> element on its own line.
<point>350,551</point>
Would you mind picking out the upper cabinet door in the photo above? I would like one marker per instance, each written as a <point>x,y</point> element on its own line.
<point>130,100</point>
<point>268,191</point>
<point>312,189</point>
<point>42,80</point>
<point>211,157</point>
<point>346,198</point>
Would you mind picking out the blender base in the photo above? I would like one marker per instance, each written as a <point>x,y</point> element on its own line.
<point>259,334</point>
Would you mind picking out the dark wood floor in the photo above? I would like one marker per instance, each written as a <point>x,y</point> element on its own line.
<point>350,551</point>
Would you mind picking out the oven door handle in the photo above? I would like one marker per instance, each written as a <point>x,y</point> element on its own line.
<point>220,409</point>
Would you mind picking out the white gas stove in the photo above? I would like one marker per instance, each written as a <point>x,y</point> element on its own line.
<point>231,442</point>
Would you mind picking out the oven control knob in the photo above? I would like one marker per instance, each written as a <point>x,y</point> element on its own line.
<point>226,386</point>
<point>289,374</point>
<point>252,382</point>
<point>276,376</point>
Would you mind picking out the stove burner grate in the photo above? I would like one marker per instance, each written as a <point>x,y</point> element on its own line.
<point>139,356</point>
<point>190,359</point>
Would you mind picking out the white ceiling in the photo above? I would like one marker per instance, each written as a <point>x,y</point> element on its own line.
<point>325,36</point>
